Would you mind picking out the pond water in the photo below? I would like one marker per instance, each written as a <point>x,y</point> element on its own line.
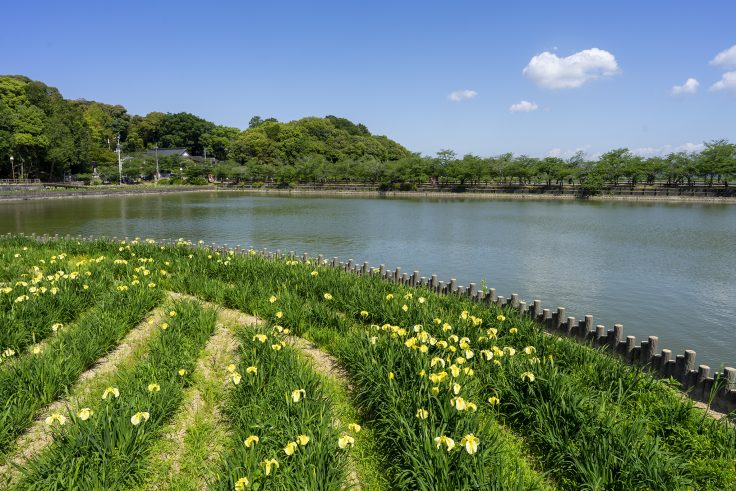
<point>660,269</point>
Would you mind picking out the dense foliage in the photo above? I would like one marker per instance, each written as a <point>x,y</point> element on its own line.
<point>49,137</point>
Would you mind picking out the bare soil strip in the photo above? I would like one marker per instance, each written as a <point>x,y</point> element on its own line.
<point>200,413</point>
<point>38,436</point>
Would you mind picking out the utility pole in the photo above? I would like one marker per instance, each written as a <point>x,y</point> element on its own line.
<point>158,172</point>
<point>120,162</point>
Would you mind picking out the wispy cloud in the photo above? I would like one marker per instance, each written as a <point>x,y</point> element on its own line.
<point>462,95</point>
<point>689,87</point>
<point>727,82</point>
<point>523,107</point>
<point>726,58</point>
<point>553,72</point>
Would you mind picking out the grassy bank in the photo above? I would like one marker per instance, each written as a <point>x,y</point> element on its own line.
<point>443,393</point>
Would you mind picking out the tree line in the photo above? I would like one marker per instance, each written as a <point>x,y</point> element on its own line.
<point>49,136</point>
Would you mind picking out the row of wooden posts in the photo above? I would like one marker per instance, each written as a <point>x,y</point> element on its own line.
<point>701,383</point>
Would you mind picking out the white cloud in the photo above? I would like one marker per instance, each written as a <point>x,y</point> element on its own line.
<point>727,82</point>
<point>726,58</point>
<point>552,72</point>
<point>461,95</point>
<point>667,149</point>
<point>566,154</point>
<point>690,147</point>
<point>689,87</point>
<point>523,107</point>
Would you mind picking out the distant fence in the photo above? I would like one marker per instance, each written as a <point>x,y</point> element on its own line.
<point>700,383</point>
<point>21,182</point>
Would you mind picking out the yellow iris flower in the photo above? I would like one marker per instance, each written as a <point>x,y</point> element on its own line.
<point>527,376</point>
<point>260,338</point>
<point>422,413</point>
<point>354,427</point>
<point>444,440</point>
<point>251,370</point>
<point>56,418</point>
<point>290,448</point>
<point>270,464</point>
<point>302,440</point>
<point>251,440</point>
<point>111,391</point>
<point>470,442</point>
<point>241,484</point>
<point>154,387</point>
<point>345,440</point>
<point>272,299</point>
<point>85,413</point>
<point>297,394</point>
<point>328,296</point>
<point>139,417</point>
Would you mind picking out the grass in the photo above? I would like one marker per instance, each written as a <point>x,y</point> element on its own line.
<point>108,450</point>
<point>547,413</point>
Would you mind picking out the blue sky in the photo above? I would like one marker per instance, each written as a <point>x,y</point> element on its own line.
<point>602,77</point>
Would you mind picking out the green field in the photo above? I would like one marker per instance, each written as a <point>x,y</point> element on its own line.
<point>131,365</point>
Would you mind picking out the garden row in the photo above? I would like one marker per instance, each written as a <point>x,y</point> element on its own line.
<point>450,393</point>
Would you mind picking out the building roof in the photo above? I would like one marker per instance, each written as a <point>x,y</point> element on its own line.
<point>167,152</point>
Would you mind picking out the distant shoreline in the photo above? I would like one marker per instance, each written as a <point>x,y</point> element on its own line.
<point>33,195</point>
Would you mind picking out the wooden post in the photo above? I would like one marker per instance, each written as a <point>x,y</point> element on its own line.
<point>600,334</point>
<point>729,373</point>
<point>320,260</point>
<point>366,269</point>
<point>441,287</point>
<point>397,274</point>
<point>547,319</point>
<point>460,291</point>
<point>453,285</point>
<point>514,301</point>
<point>414,278</point>
<point>703,374</point>
<point>651,349</point>
<point>334,262</point>
<point>404,279</point>
<point>433,281</point>
<point>558,318</point>
<point>630,344</point>
<point>680,372</point>
<point>382,270</point>
<point>689,365</point>
<point>588,329</point>
<point>423,281</point>
<point>492,295</point>
<point>537,306</point>
<point>665,366</point>
<point>571,324</point>
<point>472,290</point>
<point>522,308</point>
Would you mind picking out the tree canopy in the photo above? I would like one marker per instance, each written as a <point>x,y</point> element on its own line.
<point>49,136</point>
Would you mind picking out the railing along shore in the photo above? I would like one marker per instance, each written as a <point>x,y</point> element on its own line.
<point>701,383</point>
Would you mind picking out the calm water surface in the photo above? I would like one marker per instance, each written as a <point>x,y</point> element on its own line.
<point>660,269</point>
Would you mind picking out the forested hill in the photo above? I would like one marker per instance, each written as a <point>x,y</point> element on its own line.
<point>48,135</point>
